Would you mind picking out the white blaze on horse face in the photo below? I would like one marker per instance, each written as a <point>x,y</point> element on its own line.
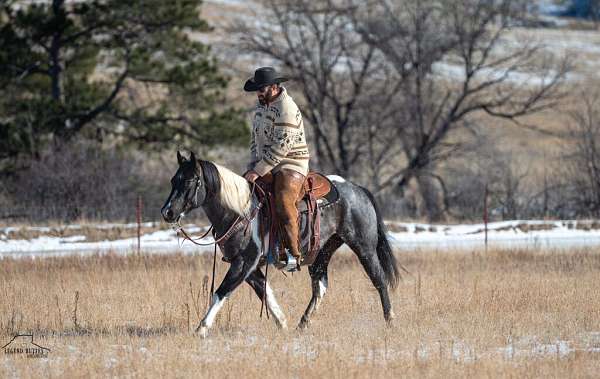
<point>275,309</point>
<point>336,178</point>
<point>215,307</point>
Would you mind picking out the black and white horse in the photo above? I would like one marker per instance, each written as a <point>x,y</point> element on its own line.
<point>224,195</point>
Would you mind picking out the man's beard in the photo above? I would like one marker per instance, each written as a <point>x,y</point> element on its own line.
<point>268,97</point>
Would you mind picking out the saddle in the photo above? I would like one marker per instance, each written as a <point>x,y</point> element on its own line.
<point>318,192</point>
<point>315,183</point>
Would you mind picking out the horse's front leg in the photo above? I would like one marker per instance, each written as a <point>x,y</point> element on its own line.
<point>241,267</point>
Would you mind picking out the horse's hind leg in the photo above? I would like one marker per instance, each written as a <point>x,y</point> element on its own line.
<point>257,282</point>
<point>318,276</point>
<point>367,255</point>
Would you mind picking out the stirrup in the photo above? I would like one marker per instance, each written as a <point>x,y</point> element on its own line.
<point>292,264</point>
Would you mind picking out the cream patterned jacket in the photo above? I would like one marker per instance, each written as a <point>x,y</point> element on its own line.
<point>278,138</point>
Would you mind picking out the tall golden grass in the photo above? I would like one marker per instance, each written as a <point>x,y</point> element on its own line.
<point>511,313</point>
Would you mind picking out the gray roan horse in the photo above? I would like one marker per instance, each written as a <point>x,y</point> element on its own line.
<point>224,195</point>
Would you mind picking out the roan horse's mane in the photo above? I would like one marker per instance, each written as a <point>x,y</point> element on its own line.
<point>230,189</point>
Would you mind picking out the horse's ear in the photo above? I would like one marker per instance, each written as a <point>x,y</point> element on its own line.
<point>180,158</point>
<point>193,158</point>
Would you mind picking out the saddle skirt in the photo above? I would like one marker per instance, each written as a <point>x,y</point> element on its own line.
<point>318,192</point>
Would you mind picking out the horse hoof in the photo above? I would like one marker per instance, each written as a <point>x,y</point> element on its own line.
<point>202,332</point>
<point>282,325</point>
<point>389,321</point>
<point>302,326</point>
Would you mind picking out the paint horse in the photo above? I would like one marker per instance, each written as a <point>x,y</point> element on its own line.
<point>224,196</point>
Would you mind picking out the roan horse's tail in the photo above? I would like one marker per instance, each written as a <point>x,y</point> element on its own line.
<point>384,250</point>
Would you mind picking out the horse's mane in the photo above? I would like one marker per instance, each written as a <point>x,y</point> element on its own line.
<point>230,189</point>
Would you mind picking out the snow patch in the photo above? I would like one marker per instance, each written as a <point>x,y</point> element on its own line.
<point>535,234</point>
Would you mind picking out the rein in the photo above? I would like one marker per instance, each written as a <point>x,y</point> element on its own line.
<point>235,226</point>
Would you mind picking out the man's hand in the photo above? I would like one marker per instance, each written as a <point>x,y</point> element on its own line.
<point>251,176</point>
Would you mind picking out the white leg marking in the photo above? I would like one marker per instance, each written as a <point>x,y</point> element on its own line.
<point>319,290</point>
<point>336,178</point>
<point>322,289</point>
<point>215,307</point>
<point>275,309</point>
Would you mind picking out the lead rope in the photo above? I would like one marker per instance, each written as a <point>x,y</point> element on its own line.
<point>264,299</point>
<point>212,284</point>
<point>263,303</point>
<point>220,239</point>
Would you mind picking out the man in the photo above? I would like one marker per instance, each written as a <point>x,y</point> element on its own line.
<point>279,146</point>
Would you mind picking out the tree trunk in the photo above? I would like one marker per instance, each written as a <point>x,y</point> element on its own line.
<point>432,205</point>
<point>55,66</point>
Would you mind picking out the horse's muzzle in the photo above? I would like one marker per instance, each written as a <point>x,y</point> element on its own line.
<point>168,214</point>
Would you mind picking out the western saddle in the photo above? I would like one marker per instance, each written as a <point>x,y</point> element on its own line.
<point>316,188</point>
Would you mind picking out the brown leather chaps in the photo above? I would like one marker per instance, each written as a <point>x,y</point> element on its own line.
<point>287,187</point>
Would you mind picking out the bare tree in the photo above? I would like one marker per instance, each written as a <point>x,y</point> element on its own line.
<point>462,40</point>
<point>387,84</point>
<point>334,70</point>
<point>583,159</point>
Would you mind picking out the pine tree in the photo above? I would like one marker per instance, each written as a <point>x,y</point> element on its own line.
<point>126,68</point>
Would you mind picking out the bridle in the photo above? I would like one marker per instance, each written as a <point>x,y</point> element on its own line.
<point>187,207</point>
<point>196,188</point>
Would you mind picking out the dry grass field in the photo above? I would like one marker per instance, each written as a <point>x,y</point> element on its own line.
<point>477,314</point>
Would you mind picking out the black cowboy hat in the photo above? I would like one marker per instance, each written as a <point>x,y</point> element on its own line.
<point>264,76</point>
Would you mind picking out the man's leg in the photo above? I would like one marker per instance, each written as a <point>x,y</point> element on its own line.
<point>288,185</point>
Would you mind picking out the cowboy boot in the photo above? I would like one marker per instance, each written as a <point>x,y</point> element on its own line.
<point>287,189</point>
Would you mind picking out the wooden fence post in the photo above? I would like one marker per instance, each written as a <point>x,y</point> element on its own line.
<point>485,215</point>
<point>139,223</point>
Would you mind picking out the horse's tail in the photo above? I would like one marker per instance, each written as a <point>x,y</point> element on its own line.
<point>384,250</point>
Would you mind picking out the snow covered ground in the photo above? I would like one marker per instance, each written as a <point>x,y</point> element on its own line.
<point>532,234</point>
<point>161,241</point>
<point>404,236</point>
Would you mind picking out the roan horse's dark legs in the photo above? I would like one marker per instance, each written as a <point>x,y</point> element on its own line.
<point>257,282</point>
<point>318,276</point>
<point>370,262</point>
